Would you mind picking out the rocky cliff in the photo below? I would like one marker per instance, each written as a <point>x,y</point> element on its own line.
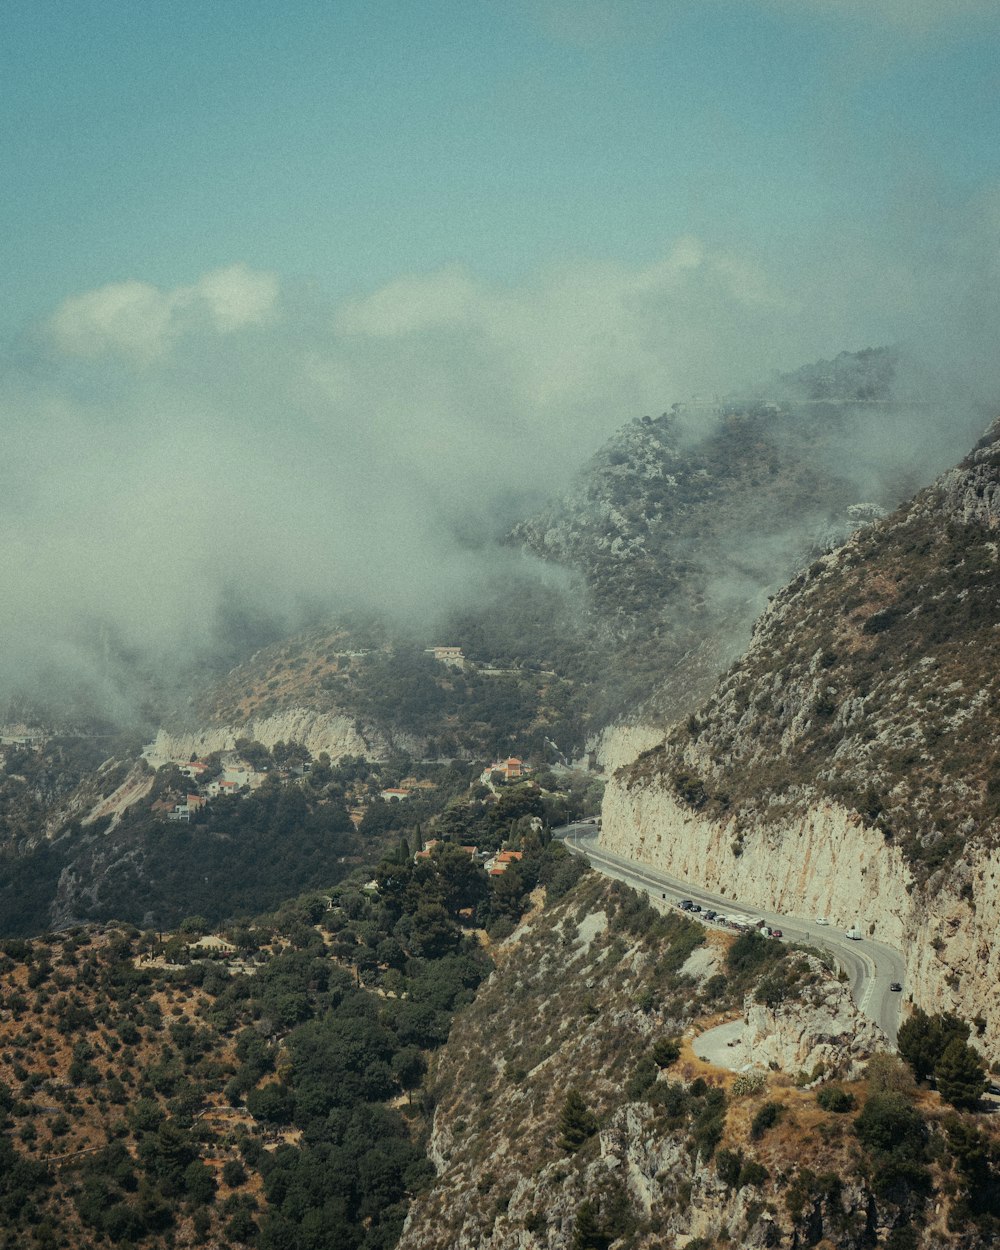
<point>336,734</point>
<point>848,763</point>
<point>562,1121</point>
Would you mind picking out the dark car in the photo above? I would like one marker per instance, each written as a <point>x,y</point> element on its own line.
<point>696,907</point>
<point>709,914</point>
<point>895,987</point>
<point>686,905</point>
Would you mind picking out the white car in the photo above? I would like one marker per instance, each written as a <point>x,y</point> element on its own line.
<point>822,920</point>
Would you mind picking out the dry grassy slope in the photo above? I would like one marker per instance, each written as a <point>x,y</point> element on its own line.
<point>312,669</point>
<point>576,1002</point>
<point>867,704</point>
<point>57,1009</point>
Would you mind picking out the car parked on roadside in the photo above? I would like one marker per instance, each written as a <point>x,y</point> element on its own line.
<point>686,904</point>
<point>822,920</point>
<point>895,987</point>
<point>777,933</point>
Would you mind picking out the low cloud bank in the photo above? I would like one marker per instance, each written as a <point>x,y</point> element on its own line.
<point>235,454</point>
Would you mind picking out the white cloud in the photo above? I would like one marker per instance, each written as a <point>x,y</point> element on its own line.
<point>335,452</point>
<point>139,321</point>
<point>129,317</point>
<point>411,303</point>
<point>236,297</point>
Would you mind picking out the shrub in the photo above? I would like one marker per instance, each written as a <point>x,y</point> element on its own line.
<point>887,1074</point>
<point>753,1173</point>
<point>890,1125</point>
<point>576,1122</point>
<point>233,1173</point>
<point>767,1117</point>
<point>747,1083</point>
<point>834,1098</point>
<point>641,1080</point>
<point>728,1165</point>
<point>665,1052</point>
<point>710,1123</point>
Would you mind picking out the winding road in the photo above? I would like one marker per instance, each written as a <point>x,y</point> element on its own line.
<point>871,966</point>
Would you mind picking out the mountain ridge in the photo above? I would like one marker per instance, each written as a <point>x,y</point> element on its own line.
<point>847,756</point>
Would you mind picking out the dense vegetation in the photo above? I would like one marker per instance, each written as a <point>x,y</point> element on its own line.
<point>243,854</point>
<point>264,1093</point>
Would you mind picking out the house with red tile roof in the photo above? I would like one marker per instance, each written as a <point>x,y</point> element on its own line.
<point>511,769</point>
<point>395,794</point>
<point>500,862</point>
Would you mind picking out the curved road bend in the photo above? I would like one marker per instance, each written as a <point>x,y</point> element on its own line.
<point>871,966</point>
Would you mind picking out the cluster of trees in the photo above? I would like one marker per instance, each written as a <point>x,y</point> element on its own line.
<point>461,710</point>
<point>315,1049</point>
<point>937,1046</point>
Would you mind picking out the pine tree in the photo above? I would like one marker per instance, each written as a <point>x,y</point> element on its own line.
<point>923,1039</point>
<point>588,1234</point>
<point>576,1123</point>
<point>960,1074</point>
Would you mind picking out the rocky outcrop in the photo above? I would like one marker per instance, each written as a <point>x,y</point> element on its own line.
<point>135,787</point>
<point>826,862</point>
<point>819,1027</point>
<point>337,735</point>
<point>621,743</point>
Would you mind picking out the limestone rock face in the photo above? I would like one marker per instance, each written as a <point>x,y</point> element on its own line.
<point>623,742</point>
<point>823,1026</point>
<point>825,862</point>
<point>828,862</point>
<point>846,764</point>
<point>335,734</point>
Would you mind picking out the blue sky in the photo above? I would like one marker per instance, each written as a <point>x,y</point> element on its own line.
<point>295,295</point>
<point>347,143</point>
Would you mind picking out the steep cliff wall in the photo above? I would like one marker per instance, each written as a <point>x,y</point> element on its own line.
<point>337,735</point>
<point>847,764</point>
<point>623,742</point>
<point>823,863</point>
<point>827,861</point>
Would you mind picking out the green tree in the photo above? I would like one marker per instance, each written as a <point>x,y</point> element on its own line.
<point>576,1122</point>
<point>923,1039</point>
<point>589,1234</point>
<point>408,1067</point>
<point>960,1074</point>
<point>271,1103</point>
<point>665,1052</point>
<point>198,1182</point>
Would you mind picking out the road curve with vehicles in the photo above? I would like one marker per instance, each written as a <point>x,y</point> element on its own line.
<point>871,966</point>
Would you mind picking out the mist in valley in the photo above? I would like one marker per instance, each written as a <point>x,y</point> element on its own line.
<point>193,473</point>
<point>195,467</point>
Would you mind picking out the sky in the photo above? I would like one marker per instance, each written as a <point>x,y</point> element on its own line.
<point>293,294</point>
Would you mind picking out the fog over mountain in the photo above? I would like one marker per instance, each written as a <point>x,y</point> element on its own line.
<point>240,455</point>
